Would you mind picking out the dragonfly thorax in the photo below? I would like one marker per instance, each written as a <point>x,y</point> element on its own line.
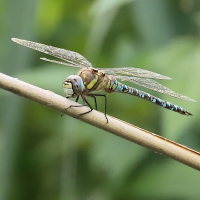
<point>73,86</point>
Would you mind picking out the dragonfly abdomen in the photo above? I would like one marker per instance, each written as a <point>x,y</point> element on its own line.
<point>119,87</point>
<point>157,101</point>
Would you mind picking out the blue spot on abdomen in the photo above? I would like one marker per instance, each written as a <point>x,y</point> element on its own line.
<point>164,105</point>
<point>141,95</point>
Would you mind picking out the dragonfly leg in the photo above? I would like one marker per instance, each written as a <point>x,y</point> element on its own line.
<point>63,113</point>
<point>77,98</point>
<point>72,105</point>
<point>87,103</point>
<point>101,95</point>
<point>95,100</point>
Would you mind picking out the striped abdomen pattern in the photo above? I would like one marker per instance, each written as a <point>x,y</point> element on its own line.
<point>116,86</point>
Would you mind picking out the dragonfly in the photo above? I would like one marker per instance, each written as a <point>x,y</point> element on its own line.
<point>90,80</point>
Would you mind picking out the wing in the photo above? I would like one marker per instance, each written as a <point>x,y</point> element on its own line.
<point>134,72</point>
<point>153,85</point>
<point>72,58</point>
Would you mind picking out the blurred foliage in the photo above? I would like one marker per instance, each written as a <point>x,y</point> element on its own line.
<point>45,156</point>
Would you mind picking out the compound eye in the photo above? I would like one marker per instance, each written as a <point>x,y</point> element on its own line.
<point>75,80</point>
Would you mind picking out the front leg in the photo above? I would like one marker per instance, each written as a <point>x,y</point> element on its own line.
<point>77,98</point>
<point>76,106</point>
<point>86,103</point>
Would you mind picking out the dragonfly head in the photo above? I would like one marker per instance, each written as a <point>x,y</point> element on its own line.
<point>73,86</point>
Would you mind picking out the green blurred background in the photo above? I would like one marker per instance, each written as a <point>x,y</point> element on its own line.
<point>45,156</point>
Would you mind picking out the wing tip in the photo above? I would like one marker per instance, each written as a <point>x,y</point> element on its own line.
<point>168,78</point>
<point>42,58</point>
<point>16,40</point>
<point>192,100</point>
<point>162,77</point>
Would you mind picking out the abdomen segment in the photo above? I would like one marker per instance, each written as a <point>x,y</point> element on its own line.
<point>119,87</point>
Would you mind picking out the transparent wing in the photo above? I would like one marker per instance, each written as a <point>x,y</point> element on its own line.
<point>72,58</point>
<point>153,85</point>
<point>134,72</point>
<point>62,63</point>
